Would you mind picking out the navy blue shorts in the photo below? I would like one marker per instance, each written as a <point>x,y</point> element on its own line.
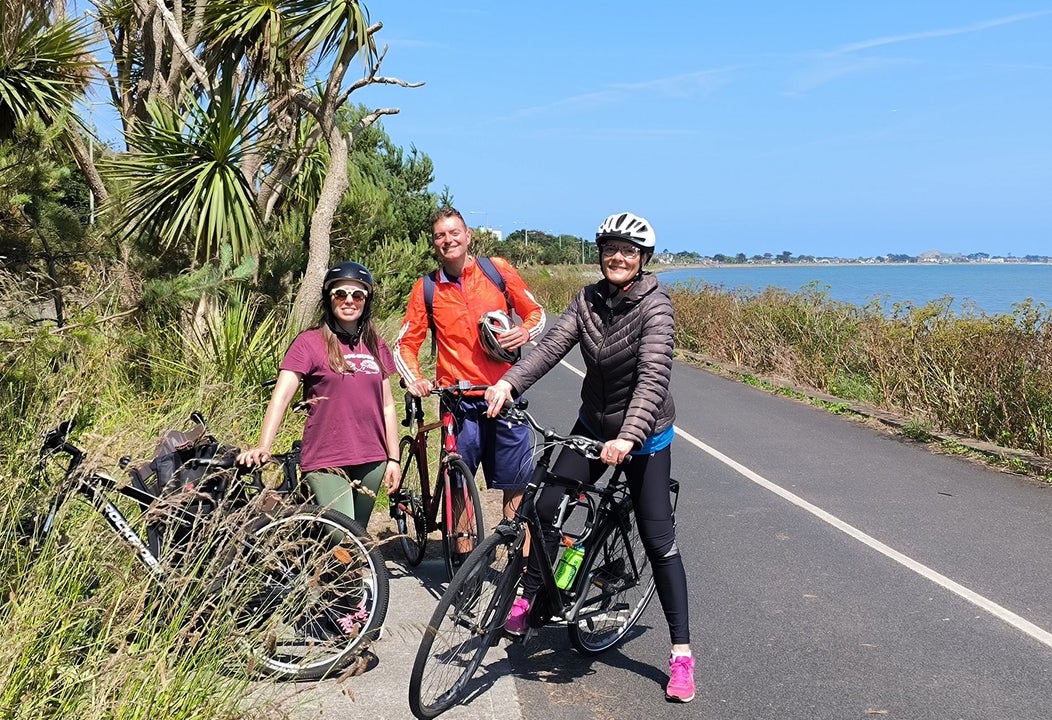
<point>504,448</point>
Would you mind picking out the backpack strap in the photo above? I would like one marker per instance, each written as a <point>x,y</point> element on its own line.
<point>488,269</point>
<point>429,304</point>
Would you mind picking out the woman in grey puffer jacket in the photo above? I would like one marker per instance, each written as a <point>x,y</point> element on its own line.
<point>624,326</point>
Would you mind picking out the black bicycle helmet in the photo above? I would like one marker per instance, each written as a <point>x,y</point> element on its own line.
<point>347,271</point>
<point>491,326</point>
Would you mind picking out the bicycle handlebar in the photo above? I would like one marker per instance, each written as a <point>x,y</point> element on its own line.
<point>589,448</point>
<point>460,387</point>
<point>56,441</point>
<point>414,409</point>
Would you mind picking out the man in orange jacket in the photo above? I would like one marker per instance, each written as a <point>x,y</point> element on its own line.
<point>462,295</point>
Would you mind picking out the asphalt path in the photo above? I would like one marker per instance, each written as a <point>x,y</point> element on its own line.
<point>836,571</point>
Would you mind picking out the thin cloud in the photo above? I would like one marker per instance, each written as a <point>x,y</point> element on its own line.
<point>844,61</point>
<point>833,68</point>
<point>930,34</point>
<point>682,86</point>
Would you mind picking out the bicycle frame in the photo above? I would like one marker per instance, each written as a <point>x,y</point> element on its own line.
<point>436,517</point>
<point>415,415</point>
<point>448,500</point>
<point>93,487</point>
<point>96,496</point>
<point>604,505</point>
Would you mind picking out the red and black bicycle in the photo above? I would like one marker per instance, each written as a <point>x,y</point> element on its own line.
<point>449,504</point>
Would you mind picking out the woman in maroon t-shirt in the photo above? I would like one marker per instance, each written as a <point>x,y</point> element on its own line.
<point>351,433</point>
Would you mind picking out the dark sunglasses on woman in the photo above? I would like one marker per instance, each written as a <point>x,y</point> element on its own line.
<point>341,294</point>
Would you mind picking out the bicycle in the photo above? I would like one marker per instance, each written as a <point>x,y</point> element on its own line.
<point>302,585</point>
<point>609,592</point>
<point>417,508</point>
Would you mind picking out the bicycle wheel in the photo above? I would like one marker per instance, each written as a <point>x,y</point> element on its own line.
<point>408,510</point>
<point>464,493</point>
<point>618,585</point>
<point>307,591</point>
<point>468,621</point>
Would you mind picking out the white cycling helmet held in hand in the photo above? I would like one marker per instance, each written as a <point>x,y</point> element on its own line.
<point>630,228</point>
<point>491,326</point>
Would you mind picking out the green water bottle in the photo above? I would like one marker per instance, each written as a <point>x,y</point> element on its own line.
<point>568,564</point>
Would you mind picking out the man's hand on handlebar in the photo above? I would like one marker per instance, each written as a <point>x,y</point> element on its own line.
<point>497,396</point>
<point>420,388</point>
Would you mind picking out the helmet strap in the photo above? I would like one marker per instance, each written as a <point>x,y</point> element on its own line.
<point>350,338</point>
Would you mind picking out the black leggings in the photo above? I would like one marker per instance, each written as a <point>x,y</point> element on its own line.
<point>648,485</point>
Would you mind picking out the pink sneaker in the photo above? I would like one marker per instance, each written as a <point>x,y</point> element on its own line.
<point>680,686</point>
<point>518,620</point>
<point>352,623</point>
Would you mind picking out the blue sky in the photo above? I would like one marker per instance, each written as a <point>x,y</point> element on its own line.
<point>825,128</point>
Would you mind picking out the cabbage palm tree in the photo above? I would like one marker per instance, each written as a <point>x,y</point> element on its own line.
<point>189,188</point>
<point>44,70</point>
<point>294,55</point>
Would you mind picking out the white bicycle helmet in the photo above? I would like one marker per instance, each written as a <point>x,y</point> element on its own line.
<point>491,326</point>
<point>628,227</point>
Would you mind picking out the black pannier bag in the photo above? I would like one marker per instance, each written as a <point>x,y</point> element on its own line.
<point>188,491</point>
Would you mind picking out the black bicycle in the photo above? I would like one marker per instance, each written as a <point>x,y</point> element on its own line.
<point>606,596</point>
<point>303,586</point>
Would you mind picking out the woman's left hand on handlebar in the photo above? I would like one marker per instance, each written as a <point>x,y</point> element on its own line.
<point>497,396</point>
<point>615,451</point>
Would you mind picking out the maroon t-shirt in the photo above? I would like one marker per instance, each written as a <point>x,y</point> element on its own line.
<point>345,424</point>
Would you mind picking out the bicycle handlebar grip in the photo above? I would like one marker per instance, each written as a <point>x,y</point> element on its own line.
<point>55,439</point>
<point>224,463</point>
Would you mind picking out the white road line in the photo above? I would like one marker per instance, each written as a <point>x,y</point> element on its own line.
<point>1042,636</point>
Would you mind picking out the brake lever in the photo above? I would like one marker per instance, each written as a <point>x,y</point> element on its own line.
<point>512,413</point>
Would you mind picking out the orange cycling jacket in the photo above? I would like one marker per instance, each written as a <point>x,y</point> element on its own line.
<point>457,309</point>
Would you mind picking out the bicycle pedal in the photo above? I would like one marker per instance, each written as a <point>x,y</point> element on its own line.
<point>514,639</point>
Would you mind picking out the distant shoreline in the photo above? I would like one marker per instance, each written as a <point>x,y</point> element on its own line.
<point>755,266</point>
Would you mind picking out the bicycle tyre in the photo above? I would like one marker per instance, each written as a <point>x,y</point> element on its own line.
<point>458,636</point>
<point>463,482</point>
<point>307,589</point>
<point>613,596</point>
<point>412,525</point>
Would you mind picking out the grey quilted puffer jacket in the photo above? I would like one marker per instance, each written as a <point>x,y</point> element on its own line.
<point>627,349</point>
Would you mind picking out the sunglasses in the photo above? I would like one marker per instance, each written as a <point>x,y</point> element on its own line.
<point>341,294</point>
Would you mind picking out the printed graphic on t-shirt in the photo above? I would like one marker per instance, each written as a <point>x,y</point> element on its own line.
<point>361,363</point>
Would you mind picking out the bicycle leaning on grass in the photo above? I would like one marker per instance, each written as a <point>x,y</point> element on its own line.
<point>452,504</point>
<point>302,587</point>
<point>605,597</point>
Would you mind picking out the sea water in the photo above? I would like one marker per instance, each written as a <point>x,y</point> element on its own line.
<point>990,288</point>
